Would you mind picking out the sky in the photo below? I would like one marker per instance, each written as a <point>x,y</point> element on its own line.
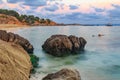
<point>68,11</point>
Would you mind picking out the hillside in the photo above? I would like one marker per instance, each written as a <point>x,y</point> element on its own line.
<point>13,17</point>
<point>6,19</point>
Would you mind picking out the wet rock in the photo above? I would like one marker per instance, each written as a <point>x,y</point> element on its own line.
<point>64,74</point>
<point>61,45</point>
<point>3,35</point>
<point>99,35</point>
<point>14,38</point>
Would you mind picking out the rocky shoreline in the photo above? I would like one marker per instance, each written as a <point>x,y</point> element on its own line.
<point>15,38</point>
<point>15,62</point>
<point>17,56</point>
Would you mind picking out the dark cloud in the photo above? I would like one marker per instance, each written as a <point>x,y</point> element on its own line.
<point>32,3</point>
<point>14,1</point>
<point>35,3</point>
<point>1,2</point>
<point>52,8</point>
<point>99,10</point>
<point>77,17</point>
<point>114,14</point>
<point>72,7</point>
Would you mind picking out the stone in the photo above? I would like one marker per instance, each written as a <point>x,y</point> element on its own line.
<point>99,35</point>
<point>62,45</point>
<point>64,74</point>
<point>15,38</point>
<point>15,62</point>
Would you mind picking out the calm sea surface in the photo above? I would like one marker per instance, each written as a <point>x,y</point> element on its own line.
<point>100,61</point>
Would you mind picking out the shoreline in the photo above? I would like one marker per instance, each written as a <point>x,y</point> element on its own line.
<point>4,26</point>
<point>12,25</point>
<point>22,26</point>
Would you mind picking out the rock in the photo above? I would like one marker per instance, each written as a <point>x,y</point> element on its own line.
<point>93,35</point>
<point>3,35</point>
<point>99,35</point>
<point>14,38</point>
<point>61,45</point>
<point>64,74</point>
<point>15,62</point>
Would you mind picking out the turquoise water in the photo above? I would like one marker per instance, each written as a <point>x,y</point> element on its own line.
<point>100,61</point>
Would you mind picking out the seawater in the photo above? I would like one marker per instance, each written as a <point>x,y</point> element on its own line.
<point>100,61</point>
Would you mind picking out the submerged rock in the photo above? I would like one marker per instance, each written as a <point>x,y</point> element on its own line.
<point>99,35</point>
<point>64,74</point>
<point>14,62</point>
<point>61,45</point>
<point>14,38</point>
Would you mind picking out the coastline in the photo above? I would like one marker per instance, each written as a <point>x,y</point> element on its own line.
<point>22,26</point>
<point>12,26</point>
<point>7,26</point>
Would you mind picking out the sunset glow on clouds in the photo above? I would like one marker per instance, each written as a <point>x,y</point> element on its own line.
<point>68,11</point>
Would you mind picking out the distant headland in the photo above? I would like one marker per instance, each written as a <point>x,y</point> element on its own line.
<point>13,18</point>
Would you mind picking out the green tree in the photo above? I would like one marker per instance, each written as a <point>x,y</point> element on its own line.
<point>42,20</point>
<point>48,20</point>
<point>10,12</point>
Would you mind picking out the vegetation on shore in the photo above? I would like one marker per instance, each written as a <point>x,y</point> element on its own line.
<point>28,19</point>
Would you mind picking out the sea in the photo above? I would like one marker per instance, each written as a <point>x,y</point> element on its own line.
<point>99,61</point>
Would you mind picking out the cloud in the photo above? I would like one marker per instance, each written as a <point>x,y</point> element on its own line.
<point>99,10</point>
<point>32,3</point>
<point>72,7</point>
<point>1,2</point>
<point>77,17</point>
<point>68,11</point>
<point>114,14</point>
<point>35,3</point>
<point>51,8</point>
<point>14,1</point>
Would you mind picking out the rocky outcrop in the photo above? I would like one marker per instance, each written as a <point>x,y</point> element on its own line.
<point>14,38</point>
<point>6,19</point>
<point>61,45</point>
<point>14,62</point>
<point>64,74</point>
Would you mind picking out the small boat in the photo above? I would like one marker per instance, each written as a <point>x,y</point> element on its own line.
<point>108,24</point>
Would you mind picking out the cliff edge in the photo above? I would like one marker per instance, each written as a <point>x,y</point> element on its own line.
<point>6,19</point>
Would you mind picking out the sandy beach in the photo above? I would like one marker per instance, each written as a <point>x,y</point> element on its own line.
<point>12,26</point>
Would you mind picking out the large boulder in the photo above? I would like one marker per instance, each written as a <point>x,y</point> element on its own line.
<point>15,62</point>
<point>15,38</point>
<point>64,74</point>
<point>61,45</point>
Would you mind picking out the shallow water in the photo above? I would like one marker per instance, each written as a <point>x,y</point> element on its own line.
<point>100,61</point>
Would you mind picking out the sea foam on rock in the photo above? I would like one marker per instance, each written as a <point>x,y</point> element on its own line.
<point>61,45</point>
